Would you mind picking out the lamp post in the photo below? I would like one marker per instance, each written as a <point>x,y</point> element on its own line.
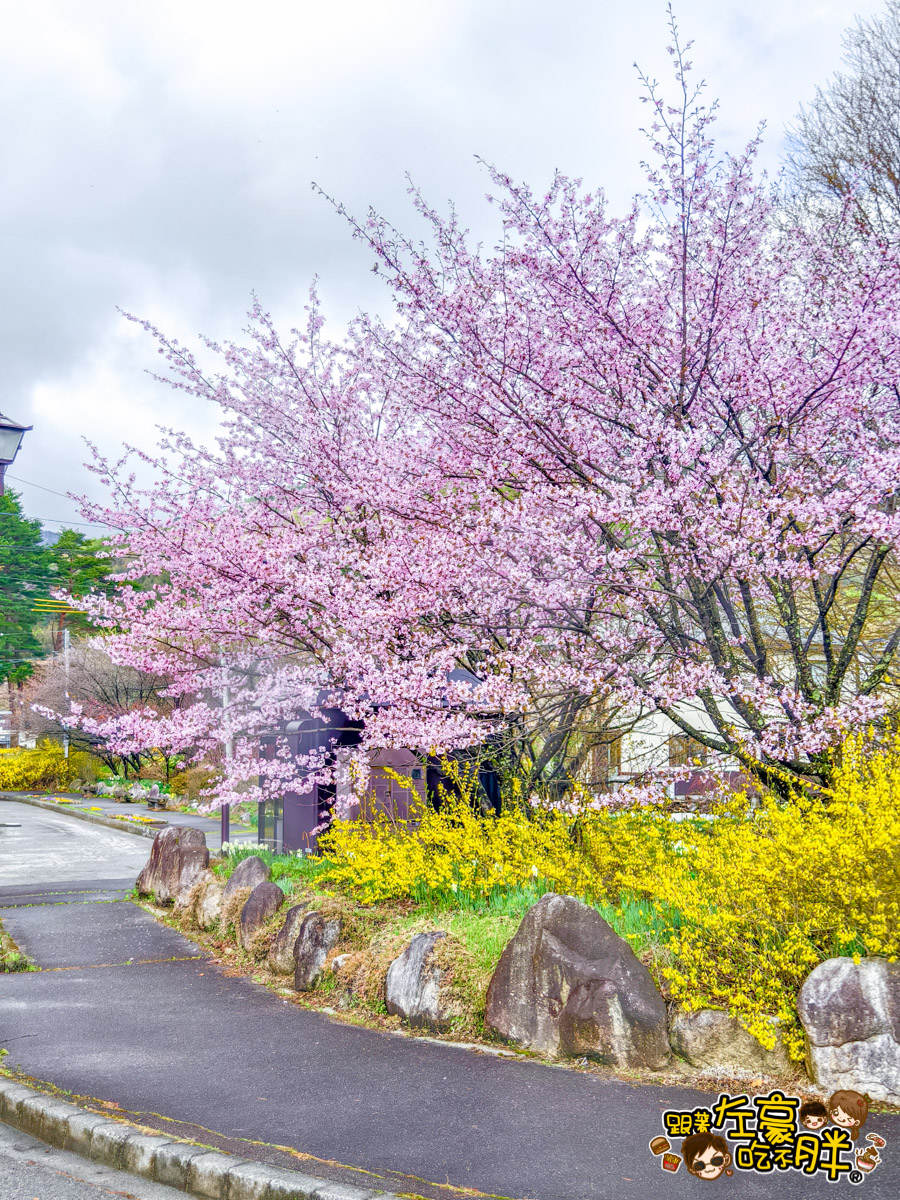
<point>11,434</point>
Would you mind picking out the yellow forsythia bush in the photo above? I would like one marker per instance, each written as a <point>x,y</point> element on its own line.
<point>190,783</point>
<point>745,902</point>
<point>453,851</point>
<point>45,768</point>
<point>763,895</point>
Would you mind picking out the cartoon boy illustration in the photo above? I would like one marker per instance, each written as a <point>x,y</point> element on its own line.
<point>849,1110</point>
<point>813,1114</point>
<point>706,1155</point>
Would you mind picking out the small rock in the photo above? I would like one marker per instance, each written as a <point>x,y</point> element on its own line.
<point>208,908</point>
<point>413,988</point>
<point>281,956</point>
<point>851,1015</point>
<point>178,857</point>
<point>712,1038</point>
<point>248,873</point>
<point>567,984</point>
<point>187,902</point>
<point>318,934</point>
<point>262,903</point>
<point>352,972</point>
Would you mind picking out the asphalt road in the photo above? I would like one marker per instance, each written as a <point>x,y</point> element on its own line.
<point>129,1011</point>
<point>30,1170</point>
<point>106,807</point>
<point>37,846</point>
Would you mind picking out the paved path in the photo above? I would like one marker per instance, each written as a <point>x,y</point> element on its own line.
<point>129,1011</point>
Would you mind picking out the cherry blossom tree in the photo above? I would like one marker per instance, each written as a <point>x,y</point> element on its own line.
<point>633,464</point>
<point>102,695</point>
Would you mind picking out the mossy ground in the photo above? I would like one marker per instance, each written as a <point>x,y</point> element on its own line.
<point>11,957</point>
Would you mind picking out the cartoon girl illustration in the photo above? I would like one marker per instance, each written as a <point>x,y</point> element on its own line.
<point>849,1110</point>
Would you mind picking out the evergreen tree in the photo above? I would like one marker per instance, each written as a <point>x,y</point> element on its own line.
<point>24,575</point>
<point>78,566</point>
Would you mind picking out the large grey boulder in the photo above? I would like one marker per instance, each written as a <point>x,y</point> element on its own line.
<point>568,985</point>
<point>318,935</point>
<point>413,987</point>
<point>248,873</point>
<point>851,1015</point>
<point>177,859</point>
<point>281,954</point>
<point>262,903</point>
<point>712,1039</point>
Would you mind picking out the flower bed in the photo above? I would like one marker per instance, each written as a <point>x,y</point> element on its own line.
<point>731,911</point>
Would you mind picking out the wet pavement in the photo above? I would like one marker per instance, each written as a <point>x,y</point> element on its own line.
<point>38,846</point>
<point>128,811</point>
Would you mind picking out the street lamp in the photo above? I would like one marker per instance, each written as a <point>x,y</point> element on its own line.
<point>11,435</point>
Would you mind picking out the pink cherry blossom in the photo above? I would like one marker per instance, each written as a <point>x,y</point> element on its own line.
<point>647,460</point>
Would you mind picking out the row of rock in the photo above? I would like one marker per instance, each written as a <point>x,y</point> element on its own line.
<point>566,985</point>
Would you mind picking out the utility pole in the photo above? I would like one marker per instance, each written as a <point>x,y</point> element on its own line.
<point>229,755</point>
<point>66,643</point>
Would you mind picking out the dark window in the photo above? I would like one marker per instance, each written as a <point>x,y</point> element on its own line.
<point>685,751</point>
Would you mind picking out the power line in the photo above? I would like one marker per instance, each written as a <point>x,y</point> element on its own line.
<point>60,520</point>
<point>19,479</point>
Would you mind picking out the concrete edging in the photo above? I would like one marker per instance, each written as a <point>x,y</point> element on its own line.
<point>185,1165</point>
<point>147,831</point>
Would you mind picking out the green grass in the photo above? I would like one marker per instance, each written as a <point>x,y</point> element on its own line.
<point>636,920</point>
<point>286,869</point>
<point>483,934</point>
<point>502,901</point>
<point>484,924</point>
<point>14,960</point>
<point>11,957</point>
<point>639,922</point>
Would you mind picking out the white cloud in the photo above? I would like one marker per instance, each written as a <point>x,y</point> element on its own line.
<point>158,157</point>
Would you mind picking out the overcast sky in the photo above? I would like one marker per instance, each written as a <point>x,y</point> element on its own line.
<point>158,154</point>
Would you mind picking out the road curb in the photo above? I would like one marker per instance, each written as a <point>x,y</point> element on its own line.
<point>186,1165</point>
<point>144,831</point>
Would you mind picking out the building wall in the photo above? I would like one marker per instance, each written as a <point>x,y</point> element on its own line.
<point>658,744</point>
<point>6,732</point>
<point>386,794</point>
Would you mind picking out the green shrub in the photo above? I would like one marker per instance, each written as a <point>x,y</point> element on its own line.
<point>189,784</point>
